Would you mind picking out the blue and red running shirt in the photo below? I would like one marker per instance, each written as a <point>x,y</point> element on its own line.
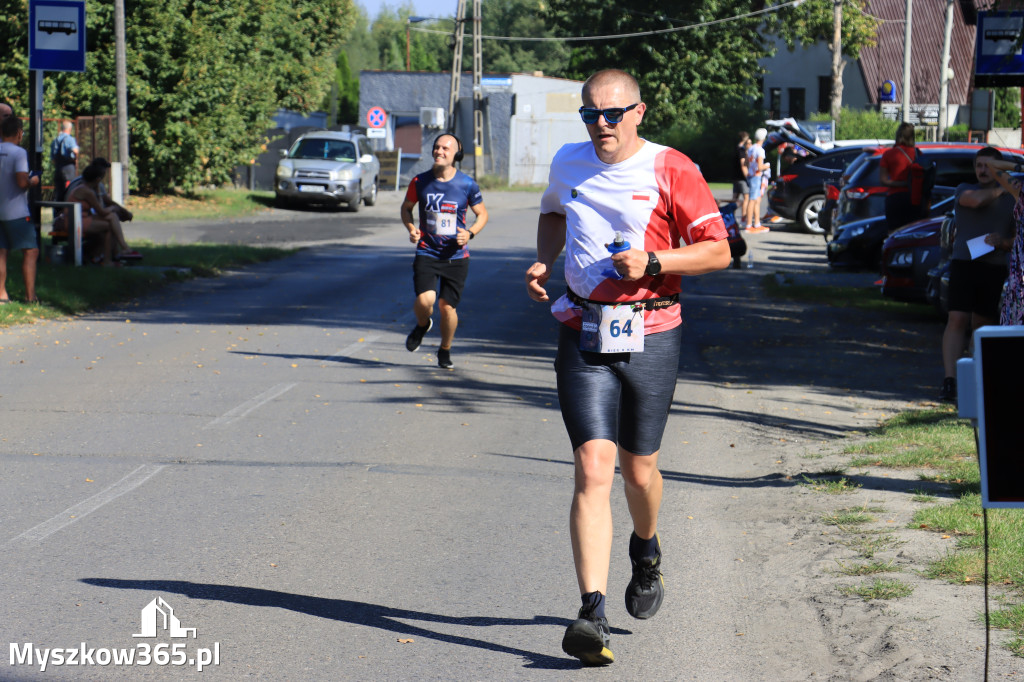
<point>442,207</point>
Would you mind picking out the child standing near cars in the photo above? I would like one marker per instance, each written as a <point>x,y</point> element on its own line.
<point>756,168</point>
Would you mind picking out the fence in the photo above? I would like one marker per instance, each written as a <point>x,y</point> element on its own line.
<point>96,136</point>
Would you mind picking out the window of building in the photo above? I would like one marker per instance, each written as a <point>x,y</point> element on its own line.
<point>775,103</point>
<point>824,94</point>
<point>797,105</point>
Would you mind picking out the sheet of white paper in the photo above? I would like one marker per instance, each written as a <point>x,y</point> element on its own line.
<point>978,247</point>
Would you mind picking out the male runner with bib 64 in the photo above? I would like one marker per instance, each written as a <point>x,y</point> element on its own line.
<point>633,218</point>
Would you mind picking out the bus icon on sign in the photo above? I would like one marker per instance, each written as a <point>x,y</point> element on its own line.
<point>52,27</point>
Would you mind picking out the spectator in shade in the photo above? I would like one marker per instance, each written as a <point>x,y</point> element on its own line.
<point>64,155</point>
<point>16,228</point>
<point>983,209</point>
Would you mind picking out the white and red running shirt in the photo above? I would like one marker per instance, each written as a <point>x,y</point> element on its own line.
<point>657,199</point>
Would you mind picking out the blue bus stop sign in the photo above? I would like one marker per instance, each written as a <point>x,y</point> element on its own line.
<point>56,35</point>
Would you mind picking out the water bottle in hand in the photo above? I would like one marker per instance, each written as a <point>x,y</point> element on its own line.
<point>620,244</point>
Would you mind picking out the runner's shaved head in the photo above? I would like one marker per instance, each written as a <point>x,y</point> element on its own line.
<point>614,77</point>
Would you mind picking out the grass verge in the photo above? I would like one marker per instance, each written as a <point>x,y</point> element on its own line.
<point>870,299</point>
<point>942,445</point>
<point>934,440</point>
<point>214,203</point>
<point>68,290</point>
<point>879,589</point>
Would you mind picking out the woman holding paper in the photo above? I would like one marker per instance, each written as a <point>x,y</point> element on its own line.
<point>1012,309</point>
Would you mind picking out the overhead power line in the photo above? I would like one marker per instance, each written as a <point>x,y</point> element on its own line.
<point>638,34</point>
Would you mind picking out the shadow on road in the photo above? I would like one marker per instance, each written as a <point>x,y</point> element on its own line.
<point>775,480</point>
<point>357,613</point>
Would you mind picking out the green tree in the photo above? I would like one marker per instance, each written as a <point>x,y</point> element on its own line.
<point>1007,108</point>
<point>204,78</point>
<point>813,21</point>
<point>685,73</point>
<point>347,89</point>
<point>516,18</point>
<point>14,48</point>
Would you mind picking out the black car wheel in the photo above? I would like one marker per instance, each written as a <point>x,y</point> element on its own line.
<point>353,206</point>
<point>807,216</point>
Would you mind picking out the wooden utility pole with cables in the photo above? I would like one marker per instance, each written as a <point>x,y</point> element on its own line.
<point>478,96</point>
<point>453,93</point>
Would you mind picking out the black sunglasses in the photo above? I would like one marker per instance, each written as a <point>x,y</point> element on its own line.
<point>613,115</point>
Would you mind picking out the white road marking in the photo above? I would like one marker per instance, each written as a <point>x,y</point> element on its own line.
<point>82,509</point>
<point>248,406</point>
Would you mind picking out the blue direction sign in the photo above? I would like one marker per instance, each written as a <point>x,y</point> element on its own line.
<point>56,35</point>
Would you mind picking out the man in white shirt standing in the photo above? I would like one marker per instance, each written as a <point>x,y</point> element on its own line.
<point>16,228</point>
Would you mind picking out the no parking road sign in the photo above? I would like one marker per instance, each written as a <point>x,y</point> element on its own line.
<point>376,117</point>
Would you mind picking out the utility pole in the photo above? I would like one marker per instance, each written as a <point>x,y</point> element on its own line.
<point>122,93</point>
<point>453,93</point>
<point>837,58</point>
<point>906,61</point>
<point>945,73</point>
<point>478,95</point>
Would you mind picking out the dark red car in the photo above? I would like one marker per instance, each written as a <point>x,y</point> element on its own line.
<point>907,256</point>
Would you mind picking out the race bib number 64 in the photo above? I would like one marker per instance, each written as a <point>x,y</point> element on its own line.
<point>613,329</point>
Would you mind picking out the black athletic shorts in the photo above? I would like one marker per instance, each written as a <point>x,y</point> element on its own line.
<point>426,272</point>
<point>975,287</point>
<point>621,397</point>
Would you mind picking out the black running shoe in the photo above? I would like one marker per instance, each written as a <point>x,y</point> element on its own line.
<point>646,590</point>
<point>415,338</point>
<point>444,358</point>
<point>587,639</point>
<point>948,392</point>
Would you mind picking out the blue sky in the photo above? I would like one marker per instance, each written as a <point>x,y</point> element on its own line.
<point>423,8</point>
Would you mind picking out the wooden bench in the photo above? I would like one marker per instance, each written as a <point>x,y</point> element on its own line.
<point>74,236</point>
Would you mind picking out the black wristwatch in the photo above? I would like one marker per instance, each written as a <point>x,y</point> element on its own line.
<point>653,264</point>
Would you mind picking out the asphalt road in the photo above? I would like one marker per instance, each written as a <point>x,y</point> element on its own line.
<point>261,452</point>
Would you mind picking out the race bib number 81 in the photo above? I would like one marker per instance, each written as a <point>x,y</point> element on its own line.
<point>445,224</point>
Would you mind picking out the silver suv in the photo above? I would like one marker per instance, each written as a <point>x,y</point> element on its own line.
<point>328,167</point>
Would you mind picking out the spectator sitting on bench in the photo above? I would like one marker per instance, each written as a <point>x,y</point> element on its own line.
<point>97,219</point>
<point>122,213</point>
<point>102,207</point>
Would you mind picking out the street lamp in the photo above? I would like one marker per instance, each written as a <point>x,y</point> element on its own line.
<point>408,22</point>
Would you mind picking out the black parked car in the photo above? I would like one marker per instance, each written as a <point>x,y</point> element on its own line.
<point>799,192</point>
<point>859,244</point>
<point>936,290</point>
<point>832,191</point>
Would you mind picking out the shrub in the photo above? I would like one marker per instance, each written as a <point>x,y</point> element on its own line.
<point>710,142</point>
